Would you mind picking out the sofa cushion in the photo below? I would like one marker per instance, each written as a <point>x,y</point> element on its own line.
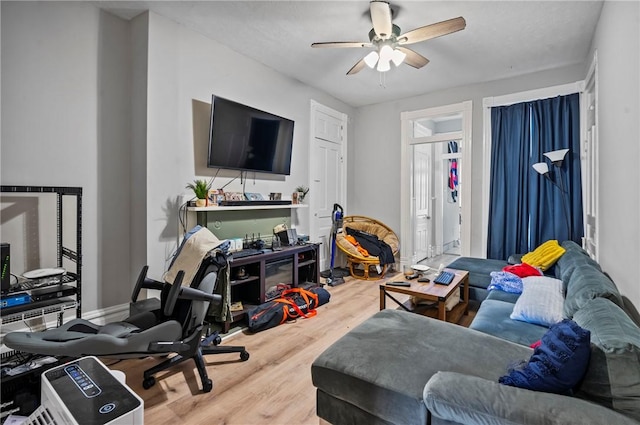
<point>503,296</point>
<point>382,365</point>
<point>613,375</point>
<point>479,269</point>
<point>545,255</point>
<point>557,364</point>
<point>461,399</point>
<point>541,301</point>
<point>493,318</point>
<point>574,257</point>
<point>586,283</point>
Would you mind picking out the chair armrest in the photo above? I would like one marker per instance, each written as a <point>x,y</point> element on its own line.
<point>198,295</point>
<point>468,399</point>
<point>144,282</point>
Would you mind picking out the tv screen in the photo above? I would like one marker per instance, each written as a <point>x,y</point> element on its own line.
<point>245,138</point>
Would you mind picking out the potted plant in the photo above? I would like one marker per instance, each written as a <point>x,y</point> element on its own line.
<point>302,192</point>
<point>201,190</point>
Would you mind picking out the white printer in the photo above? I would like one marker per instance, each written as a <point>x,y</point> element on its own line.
<point>85,392</point>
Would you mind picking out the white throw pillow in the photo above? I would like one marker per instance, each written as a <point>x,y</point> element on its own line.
<point>541,301</point>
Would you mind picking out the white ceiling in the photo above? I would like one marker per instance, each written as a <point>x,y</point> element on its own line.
<point>502,39</point>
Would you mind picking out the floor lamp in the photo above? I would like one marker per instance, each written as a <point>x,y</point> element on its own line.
<point>556,157</point>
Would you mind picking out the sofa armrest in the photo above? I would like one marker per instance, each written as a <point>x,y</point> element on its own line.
<point>468,399</point>
<point>515,259</point>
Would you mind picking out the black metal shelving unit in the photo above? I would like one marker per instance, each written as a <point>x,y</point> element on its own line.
<point>21,392</point>
<point>59,306</point>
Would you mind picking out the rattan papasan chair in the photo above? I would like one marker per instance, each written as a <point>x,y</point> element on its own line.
<point>360,266</point>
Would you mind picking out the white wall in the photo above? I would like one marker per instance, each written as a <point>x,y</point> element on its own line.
<point>65,124</point>
<point>378,142</point>
<point>617,41</point>
<point>114,111</point>
<point>184,70</point>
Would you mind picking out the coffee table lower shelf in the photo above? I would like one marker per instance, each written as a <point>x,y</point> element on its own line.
<point>454,315</point>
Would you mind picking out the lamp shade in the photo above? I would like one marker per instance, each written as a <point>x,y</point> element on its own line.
<point>398,57</point>
<point>383,65</point>
<point>556,156</point>
<point>386,53</point>
<point>371,59</point>
<point>541,167</point>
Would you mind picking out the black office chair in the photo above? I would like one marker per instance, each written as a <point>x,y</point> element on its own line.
<point>177,327</point>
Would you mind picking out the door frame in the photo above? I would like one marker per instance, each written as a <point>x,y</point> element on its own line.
<point>406,177</point>
<point>344,118</point>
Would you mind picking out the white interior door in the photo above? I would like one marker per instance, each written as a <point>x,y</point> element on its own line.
<point>327,161</point>
<point>422,201</point>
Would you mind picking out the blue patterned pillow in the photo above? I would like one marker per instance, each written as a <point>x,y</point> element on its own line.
<point>505,281</point>
<point>557,364</point>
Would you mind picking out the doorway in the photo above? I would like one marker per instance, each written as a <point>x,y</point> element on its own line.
<point>436,151</point>
<point>327,173</point>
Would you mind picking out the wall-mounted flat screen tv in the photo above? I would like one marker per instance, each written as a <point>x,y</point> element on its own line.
<point>245,138</point>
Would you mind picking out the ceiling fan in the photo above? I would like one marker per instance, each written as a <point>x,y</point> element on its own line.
<point>389,44</point>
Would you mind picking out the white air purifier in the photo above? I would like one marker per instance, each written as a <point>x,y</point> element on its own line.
<point>85,392</point>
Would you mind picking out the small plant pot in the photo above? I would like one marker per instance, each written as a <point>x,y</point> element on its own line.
<point>201,202</point>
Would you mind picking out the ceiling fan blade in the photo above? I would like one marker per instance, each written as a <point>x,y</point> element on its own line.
<point>413,58</point>
<point>381,18</point>
<point>357,67</point>
<point>341,44</point>
<point>432,31</point>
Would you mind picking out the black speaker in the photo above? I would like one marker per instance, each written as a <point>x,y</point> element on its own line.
<point>5,263</point>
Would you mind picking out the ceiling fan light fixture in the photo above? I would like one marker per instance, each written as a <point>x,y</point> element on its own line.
<point>371,59</point>
<point>383,65</point>
<point>398,57</point>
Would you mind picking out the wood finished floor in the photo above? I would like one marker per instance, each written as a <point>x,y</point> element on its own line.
<point>274,385</point>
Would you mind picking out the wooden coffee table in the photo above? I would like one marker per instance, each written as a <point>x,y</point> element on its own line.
<point>433,292</point>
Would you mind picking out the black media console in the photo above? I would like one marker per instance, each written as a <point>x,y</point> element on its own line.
<point>253,278</point>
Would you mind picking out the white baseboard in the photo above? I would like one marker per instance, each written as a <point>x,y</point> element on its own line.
<point>107,315</point>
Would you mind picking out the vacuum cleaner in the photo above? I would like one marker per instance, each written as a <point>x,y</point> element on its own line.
<point>336,223</point>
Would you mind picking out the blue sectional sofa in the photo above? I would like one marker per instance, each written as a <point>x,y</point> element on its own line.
<point>404,368</point>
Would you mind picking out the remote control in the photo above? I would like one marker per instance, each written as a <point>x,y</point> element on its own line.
<point>399,283</point>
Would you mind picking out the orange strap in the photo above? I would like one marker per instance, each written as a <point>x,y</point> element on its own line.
<point>305,295</point>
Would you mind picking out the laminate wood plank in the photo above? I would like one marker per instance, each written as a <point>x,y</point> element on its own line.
<point>274,386</point>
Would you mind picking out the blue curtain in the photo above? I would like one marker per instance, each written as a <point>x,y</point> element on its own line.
<point>525,208</point>
<point>509,192</point>
<point>555,124</point>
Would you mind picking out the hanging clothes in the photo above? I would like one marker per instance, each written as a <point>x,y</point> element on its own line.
<point>453,171</point>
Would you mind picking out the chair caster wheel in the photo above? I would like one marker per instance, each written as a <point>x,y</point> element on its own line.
<point>207,385</point>
<point>217,340</point>
<point>244,356</point>
<point>148,382</point>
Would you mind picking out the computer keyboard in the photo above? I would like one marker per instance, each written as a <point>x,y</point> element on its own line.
<point>246,253</point>
<point>444,278</point>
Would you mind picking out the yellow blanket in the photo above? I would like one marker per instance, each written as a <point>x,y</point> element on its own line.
<point>545,255</point>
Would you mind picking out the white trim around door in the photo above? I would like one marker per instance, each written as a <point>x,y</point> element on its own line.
<point>466,183</point>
